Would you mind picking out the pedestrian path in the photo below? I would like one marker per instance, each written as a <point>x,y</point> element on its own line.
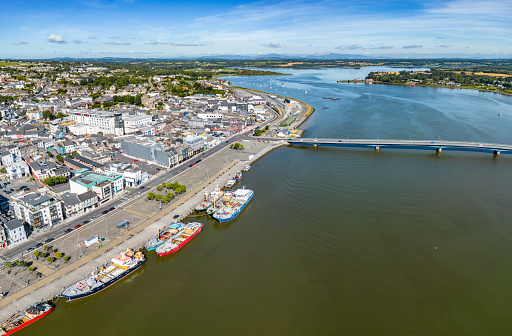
<point>41,268</point>
<point>137,213</point>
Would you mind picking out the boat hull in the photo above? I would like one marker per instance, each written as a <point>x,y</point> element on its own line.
<point>104,285</point>
<point>182,244</point>
<point>235,213</point>
<point>10,332</point>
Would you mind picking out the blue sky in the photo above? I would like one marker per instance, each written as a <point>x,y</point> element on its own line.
<point>157,28</point>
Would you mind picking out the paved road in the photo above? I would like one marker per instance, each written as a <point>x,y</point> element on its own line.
<point>59,229</point>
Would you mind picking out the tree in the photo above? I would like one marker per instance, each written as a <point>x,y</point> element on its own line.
<point>69,156</point>
<point>31,269</point>
<point>100,133</point>
<point>23,263</point>
<point>177,190</point>
<point>158,197</point>
<point>151,196</point>
<point>165,199</point>
<point>168,185</point>
<point>183,188</point>
<point>75,153</point>
<point>60,158</point>
<point>7,264</point>
<point>3,170</point>
<point>58,255</point>
<point>258,132</point>
<point>36,254</point>
<point>50,259</point>
<point>67,258</point>
<point>170,195</point>
<point>266,128</point>
<point>53,180</point>
<point>159,188</point>
<point>50,154</point>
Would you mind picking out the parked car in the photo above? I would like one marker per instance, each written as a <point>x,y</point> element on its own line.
<point>48,240</point>
<point>68,230</point>
<point>94,217</point>
<point>30,249</point>
<point>142,187</point>
<point>104,212</point>
<point>77,226</point>
<point>38,245</point>
<point>111,209</point>
<point>175,216</point>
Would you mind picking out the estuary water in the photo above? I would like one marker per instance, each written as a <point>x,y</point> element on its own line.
<point>340,241</point>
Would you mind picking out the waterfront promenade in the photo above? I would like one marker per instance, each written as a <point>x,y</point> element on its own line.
<point>52,284</point>
<point>436,145</point>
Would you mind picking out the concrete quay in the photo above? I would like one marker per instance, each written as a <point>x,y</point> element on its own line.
<point>53,284</point>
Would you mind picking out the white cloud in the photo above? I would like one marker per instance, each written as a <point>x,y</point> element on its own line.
<point>412,46</point>
<point>272,45</point>
<point>91,37</point>
<point>20,43</point>
<point>117,43</point>
<point>78,41</point>
<point>56,39</point>
<point>350,47</point>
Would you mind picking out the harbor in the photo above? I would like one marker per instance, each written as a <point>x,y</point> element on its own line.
<point>51,286</point>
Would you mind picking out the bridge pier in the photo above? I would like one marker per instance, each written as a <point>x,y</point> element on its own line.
<point>439,150</point>
<point>496,152</point>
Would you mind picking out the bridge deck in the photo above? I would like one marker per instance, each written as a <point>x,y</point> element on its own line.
<point>406,144</point>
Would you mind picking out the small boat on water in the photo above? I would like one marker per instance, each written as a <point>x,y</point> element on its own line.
<point>119,267</point>
<point>238,176</point>
<point>234,206</point>
<point>163,236</point>
<point>230,184</point>
<point>21,320</point>
<point>190,230</point>
<point>247,168</point>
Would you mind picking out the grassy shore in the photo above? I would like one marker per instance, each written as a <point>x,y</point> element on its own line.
<point>468,87</point>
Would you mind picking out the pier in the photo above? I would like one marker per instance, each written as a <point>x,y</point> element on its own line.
<point>435,145</point>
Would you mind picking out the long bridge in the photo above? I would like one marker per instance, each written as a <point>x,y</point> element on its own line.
<point>377,144</point>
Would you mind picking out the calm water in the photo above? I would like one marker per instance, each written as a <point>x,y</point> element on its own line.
<point>337,241</point>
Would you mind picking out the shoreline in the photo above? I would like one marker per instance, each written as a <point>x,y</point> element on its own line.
<point>51,286</point>
<point>443,87</point>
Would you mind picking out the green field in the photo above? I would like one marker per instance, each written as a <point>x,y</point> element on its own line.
<point>3,64</point>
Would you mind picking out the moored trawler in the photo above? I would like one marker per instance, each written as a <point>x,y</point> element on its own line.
<point>161,237</point>
<point>25,318</point>
<point>238,176</point>
<point>247,168</point>
<point>205,204</point>
<point>232,208</point>
<point>190,230</point>
<point>120,266</point>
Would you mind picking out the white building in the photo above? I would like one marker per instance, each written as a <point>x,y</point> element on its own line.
<point>16,231</point>
<point>138,121</point>
<point>108,122</point>
<point>104,186</point>
<point>39,211</point>
<point>195,142</point>
<point>17,170</point>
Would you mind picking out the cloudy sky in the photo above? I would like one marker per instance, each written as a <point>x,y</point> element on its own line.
<point>159,28</point>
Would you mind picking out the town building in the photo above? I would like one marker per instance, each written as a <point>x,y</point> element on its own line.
<point>16,231</point>
<point>39,211</point>
<point>108,122</point>
<point>104,186</point>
